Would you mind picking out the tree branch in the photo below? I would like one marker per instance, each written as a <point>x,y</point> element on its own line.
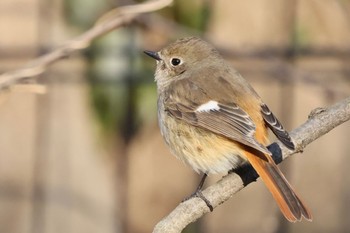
<point>320,122</point>
<point>111,20</point>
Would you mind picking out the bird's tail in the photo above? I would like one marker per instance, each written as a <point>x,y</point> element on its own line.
<point>288,201</point>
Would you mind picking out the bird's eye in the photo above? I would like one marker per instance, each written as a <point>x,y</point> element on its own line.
<point>175,61</point>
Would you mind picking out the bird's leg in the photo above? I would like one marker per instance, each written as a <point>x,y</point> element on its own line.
<point>198,193</point>
<point>201,183</point>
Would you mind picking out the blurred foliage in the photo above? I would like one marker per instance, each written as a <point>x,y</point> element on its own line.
<point>301,37</point>
<point>107,102</point>
<point>112,77</point>
<point>83,13</point>
<point>194,14</point>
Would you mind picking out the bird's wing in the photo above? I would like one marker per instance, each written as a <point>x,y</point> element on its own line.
<point>190,103</point>
<point>276,127</point>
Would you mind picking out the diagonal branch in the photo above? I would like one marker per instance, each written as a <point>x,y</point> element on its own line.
<point>112,20</point>
<point>320,122</point>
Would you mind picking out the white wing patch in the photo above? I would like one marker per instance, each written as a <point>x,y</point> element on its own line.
<point>209,106</point>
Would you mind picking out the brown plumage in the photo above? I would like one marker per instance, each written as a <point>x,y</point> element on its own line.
<point>214,121</point>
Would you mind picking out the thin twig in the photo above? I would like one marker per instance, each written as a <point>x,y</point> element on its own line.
<point>112,20</point>
<point>319,123</point>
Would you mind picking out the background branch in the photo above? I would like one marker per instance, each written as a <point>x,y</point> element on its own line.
<point>320,122</point>
<point>111,20</point>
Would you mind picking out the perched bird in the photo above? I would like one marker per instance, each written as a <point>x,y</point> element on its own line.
<point>214,121</point>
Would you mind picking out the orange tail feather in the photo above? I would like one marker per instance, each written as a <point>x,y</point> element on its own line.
<point>288,201</point>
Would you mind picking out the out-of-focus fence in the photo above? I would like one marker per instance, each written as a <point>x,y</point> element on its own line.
<point>87,155</point>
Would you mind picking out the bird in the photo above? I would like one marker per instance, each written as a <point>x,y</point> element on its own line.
<point>214,121</point>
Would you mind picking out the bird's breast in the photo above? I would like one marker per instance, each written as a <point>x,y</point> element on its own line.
<point>201,149</point>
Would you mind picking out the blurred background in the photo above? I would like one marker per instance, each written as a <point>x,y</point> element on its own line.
<point>86,155</point>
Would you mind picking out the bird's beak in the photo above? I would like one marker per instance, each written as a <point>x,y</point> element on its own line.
<point>154,55</point>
